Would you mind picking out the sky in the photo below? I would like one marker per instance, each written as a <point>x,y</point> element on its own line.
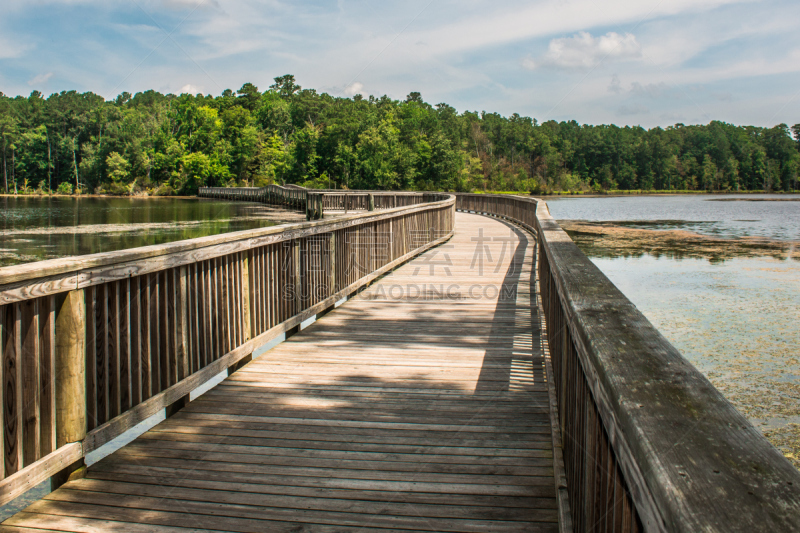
<point>627,62</point>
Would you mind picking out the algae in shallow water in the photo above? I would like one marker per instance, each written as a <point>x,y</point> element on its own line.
<point>736,322</point>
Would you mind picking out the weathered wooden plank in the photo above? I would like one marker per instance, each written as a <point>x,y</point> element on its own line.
<point>267,513</point>
<point>27,478</point>
<point>221,492</point>
<point>200,444</point>
<point>46,521</point>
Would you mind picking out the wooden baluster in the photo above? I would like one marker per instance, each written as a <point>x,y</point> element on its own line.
<point>182,324</point>
<point>12,390</point>
<point>155,335</point>
<point>124,346</point>
<point>166,348</point>
<point>135,341</point>
<point>332,263</point>
<point>47,374</point>
<point>30,380</point>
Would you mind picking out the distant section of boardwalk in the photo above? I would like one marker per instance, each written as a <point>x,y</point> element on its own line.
<point>418,405</point>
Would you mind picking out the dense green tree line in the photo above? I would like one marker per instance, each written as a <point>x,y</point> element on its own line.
<point>168,144</point>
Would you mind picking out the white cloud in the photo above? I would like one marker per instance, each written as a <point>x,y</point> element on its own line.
<point>10,50</point>
<point>531,19</point>
<point>354,89</point>
<point>585,51</point>
<point>40,79</point>
<point>191,89</point>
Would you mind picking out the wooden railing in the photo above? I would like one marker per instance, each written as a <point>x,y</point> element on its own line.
<point>648,443</point>
<point>291,197</point>
<point>316,201</point>
<point>93,345</point>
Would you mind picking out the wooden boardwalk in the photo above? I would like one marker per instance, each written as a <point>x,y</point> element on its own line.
<point>418,405</point>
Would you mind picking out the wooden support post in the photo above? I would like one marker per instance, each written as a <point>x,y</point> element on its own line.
<point>371,202</point>
<point>177,405</point>
<point>236,366</point>
<point>70,379</point>
<point>292,331</point>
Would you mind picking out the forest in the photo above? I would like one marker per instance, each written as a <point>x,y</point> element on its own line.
<point>155,144</point>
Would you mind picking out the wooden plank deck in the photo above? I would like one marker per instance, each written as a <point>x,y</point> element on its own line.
<point>419,405</point>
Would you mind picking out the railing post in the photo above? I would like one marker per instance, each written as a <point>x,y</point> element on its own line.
<point>371,206</point>
<point>70,378</point>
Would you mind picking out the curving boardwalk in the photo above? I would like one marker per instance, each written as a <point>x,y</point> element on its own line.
<point>418,405</point>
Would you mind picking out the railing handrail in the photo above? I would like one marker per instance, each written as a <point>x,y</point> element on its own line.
<point>690,460</point>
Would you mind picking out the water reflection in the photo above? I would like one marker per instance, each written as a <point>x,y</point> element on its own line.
<point>38,228</point>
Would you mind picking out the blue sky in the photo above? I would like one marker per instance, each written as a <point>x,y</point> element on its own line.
<point>646,62</point>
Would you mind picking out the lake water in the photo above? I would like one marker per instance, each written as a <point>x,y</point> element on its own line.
<point>720,279</point>
<point>38,228</point>
<point>768,216</point>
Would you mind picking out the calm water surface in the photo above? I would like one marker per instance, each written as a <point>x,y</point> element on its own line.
<point>714,215</point>
<point>735,319</point>
<point>37,228</point>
